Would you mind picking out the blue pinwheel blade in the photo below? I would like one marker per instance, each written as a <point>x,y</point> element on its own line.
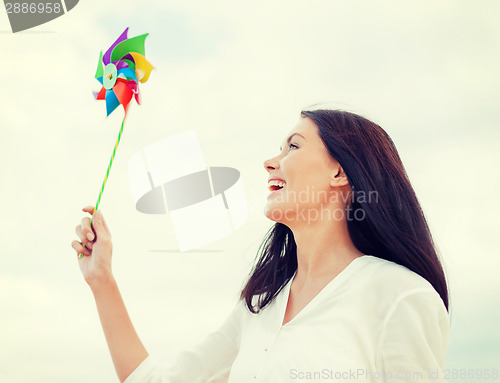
<point>111,101</point>
<point>129,73</point>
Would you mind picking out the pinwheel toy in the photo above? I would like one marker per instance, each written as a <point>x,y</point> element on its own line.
<point>119,71</point>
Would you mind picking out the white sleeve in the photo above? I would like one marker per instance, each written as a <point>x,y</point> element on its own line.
<point>414,339</point>
<point>209,361</point>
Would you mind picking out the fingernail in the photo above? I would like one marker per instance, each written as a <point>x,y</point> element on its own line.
<point>80,255</point>
<point>90,236</point>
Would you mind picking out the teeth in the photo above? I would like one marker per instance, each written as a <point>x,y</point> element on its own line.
<point>276,183</point>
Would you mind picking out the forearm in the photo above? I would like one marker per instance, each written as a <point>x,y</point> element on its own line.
<point>127,350</point>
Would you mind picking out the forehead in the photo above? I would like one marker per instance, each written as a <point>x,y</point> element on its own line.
<point>306,127</point>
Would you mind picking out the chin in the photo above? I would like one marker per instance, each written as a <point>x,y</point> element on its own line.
<point>273,213</point>
<point>276,213</point>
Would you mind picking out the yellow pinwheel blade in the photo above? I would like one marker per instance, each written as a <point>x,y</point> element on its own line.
<point>142,66</point>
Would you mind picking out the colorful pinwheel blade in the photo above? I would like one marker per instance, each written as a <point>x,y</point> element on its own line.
<point>128,73</point>
<point>134,44</point>
<point>107,56</point>
<point>123,93</point>
<point>143,67</point>
<point>120,64</point>
<point>137,94</point>
<point>102,94</point>
<point>130,64</point>
<point>99,71</point>
<point>112,101</point>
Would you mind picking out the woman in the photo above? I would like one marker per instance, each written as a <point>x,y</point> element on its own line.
<point>347,284</point>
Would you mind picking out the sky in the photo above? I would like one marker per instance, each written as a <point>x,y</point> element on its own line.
<point>238,73</point>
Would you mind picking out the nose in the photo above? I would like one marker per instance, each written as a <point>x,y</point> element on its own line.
<point>271,164</point>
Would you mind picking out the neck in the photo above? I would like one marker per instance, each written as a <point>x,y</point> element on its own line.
<point>324,248</point>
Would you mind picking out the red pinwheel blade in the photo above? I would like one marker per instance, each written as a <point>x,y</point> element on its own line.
<point>123,93</point>
<point>137,94</point>
<point>102,94</point>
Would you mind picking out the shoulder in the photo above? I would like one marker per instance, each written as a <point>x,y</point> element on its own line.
<point>391,278</point>
<point>385,285</point>
<point>412,318</point>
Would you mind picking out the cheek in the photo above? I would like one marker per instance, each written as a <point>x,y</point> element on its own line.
<point>304,169</point>
<point>310,180</point>
<point>295,167</point>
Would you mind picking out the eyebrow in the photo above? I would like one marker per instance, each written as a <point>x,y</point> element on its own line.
<point>290,138</point>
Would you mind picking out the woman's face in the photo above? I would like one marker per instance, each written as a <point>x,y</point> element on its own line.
<point>307,173</point>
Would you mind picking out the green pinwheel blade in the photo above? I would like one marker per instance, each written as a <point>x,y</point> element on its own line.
<point>135,44</point>
<point>130,63</point>
<point>100,71</point>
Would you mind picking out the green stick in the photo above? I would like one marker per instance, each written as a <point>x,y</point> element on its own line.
<point>107,173</point>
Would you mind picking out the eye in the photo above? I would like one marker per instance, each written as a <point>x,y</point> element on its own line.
<point>290,146</point>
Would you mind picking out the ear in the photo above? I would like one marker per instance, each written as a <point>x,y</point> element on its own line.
<point>338,177</point>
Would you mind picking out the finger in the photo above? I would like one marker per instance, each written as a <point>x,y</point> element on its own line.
<point>79,232</point>
<point>104,223</point>
<point>87,229</point>
<point>78,247</point>
<point>89,209</point>
<point>83,239</point>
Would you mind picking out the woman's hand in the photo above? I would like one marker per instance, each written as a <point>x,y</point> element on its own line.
<point>96,261</point>
<point>127,350</point>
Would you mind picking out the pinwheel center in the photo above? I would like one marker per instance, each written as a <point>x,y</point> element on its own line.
<point>110,75</point>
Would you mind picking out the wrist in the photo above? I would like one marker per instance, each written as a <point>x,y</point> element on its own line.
<point>101,282</point>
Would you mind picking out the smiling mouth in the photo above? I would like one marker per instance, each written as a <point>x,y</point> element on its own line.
<point>276,185</point>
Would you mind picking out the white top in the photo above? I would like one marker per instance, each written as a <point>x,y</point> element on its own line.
<point>374,316</point>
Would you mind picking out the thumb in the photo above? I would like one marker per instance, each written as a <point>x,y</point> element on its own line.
<point>100,226</point>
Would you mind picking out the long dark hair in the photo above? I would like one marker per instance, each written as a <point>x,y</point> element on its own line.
<point>394,228</point>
